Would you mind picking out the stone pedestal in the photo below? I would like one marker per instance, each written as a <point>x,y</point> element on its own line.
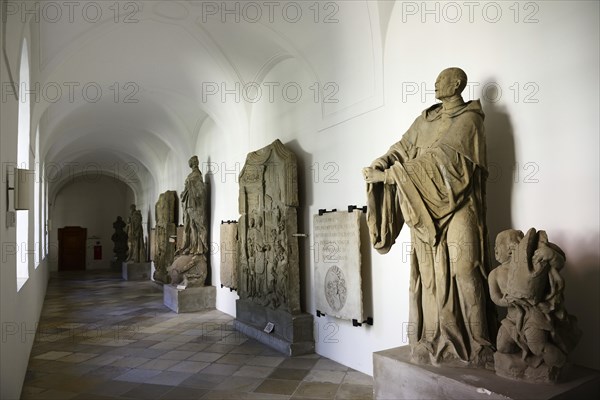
<point>190,299</point>
<point>136,271</point>
<point>292,334</point>
<point>396,377</point>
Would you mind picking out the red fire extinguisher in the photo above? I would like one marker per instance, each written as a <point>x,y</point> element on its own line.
<point>98,251</point>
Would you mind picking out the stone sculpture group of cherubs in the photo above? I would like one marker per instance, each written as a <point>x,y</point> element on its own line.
<point>537,334</point>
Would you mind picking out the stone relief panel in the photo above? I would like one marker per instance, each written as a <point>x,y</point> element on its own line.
<point>268,250</point>
<point>166,225</point>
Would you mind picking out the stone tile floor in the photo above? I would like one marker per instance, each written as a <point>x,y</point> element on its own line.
<point>100,337</point>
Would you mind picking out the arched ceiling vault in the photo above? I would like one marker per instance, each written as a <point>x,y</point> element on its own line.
<point>156,64</point>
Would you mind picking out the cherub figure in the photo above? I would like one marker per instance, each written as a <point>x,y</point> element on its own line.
<point>537,333</point>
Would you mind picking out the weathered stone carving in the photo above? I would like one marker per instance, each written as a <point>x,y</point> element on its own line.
<point>268,274</point>
<point>189,270</point>
<point>338,281</point>
<point>166,208</point>
<point>228,251</point>
<point>193,199</point>
<point>119,239</point>
<point>135,236</point>
<point>268,253</point>
<point>434,180</point>
<point>190,266</point>
<point>537,333</point>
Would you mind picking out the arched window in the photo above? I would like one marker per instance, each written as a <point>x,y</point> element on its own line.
<point>23,154</point>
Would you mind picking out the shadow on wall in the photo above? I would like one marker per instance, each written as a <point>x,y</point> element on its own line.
<point>501,161</point>
<point>305,198</point>
<point>581,273</point>
<point>212,248</point>
<point>582,277</point>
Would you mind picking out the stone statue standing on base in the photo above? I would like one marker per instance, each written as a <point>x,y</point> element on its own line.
<point>434,180</point>
<point>119,239</point>
<point>135,236</point>
<point>537,333</point>
<point>190,266</point>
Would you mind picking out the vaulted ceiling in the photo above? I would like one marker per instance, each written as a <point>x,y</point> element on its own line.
<point>139,84</point>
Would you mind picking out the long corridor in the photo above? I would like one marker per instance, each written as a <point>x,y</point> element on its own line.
<point>100,337</point>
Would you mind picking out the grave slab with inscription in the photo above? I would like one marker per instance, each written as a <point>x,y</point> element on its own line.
<point>228,251</point>
<point>337,261</point>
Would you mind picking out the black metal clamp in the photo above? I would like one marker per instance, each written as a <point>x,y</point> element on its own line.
<point>353,207</point>
<point>368,321</point>
<point>324,211</point>
<point>230,289</point>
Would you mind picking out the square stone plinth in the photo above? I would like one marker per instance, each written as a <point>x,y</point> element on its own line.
<point>396,377</point>
<point>136,271</point>
<point>189,299</point>
<point>291,334</point>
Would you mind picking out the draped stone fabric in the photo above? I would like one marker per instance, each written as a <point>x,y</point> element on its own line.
<point>193,200</point>
<point>135,234</point>
<point>435,183</point>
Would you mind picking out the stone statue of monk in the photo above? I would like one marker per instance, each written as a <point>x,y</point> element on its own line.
<point>433,180</point>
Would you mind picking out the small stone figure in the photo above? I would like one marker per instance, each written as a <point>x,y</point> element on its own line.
<point>537,333</point>
<point>135,236</point>
<point>119,239</point>
<point>190,266</point>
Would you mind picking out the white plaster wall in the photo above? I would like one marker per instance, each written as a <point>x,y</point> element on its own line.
<point>92,202</point>
<point>221,158</point>
<point>549,133</point>
<point>19,310</point>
